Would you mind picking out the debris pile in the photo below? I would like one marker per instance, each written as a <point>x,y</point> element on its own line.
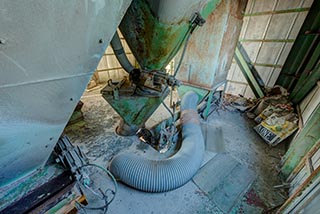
<point>275,116</point>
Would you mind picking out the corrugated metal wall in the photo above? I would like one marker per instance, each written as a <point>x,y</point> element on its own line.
<point>268,33</point>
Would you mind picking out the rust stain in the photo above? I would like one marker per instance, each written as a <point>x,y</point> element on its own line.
<point>235,21</point>
<point>152,42</point>
<point>253,199</point>
<point>210,51</point>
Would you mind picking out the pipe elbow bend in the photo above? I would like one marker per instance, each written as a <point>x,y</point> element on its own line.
<point>167,174</point>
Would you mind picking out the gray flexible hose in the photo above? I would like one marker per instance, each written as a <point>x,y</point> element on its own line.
<point>120,53</point>
<point>167,174</point>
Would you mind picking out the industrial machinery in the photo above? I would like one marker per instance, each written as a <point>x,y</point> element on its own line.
<point>155,36</point>
<point>48,52</point>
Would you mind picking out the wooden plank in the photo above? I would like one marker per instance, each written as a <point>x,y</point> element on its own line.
<point>298,180</point>
<point>311,152</point>
<point>300,190</point>
<point>309,200</point>
<point>38,198</point>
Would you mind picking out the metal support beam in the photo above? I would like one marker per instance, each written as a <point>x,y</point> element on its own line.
<point>267,65</point>
<point>303,48</point>
<point>206,111</point>
<point>267,40</point>
<point>249,71</point>
<point>295,10</point>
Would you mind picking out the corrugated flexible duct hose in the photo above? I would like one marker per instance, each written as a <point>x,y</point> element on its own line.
<point>167,174</point>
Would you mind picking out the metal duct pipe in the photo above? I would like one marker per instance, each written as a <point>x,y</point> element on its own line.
<point>120,53</point>
<point>167,174</point>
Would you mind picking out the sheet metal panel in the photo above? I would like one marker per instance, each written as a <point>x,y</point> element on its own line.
<point>211,47</point>
<point>155,30</point>
<point>48,53</point>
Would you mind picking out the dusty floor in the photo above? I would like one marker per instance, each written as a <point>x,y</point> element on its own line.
<point>95,135</point>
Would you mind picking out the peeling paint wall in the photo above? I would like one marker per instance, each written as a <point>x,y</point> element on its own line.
<point>268,32</point>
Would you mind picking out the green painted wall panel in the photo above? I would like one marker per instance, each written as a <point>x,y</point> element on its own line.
<point>308,136</point>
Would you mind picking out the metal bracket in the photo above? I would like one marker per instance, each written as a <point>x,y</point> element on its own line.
<point>196,20</point>
<point>116,86</point>
<point>70,157</point>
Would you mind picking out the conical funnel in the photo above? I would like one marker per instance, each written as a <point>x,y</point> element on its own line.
<point>134,109</point>
<point>156,29</point>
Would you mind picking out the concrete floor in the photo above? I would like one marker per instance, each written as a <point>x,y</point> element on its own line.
<point>95,135</point>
